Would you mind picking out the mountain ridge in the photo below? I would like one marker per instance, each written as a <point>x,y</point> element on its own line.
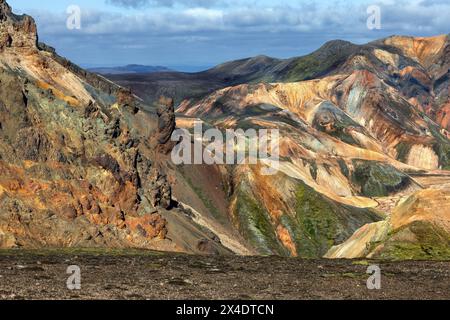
<point>127,69</point>
<point>83,162</point>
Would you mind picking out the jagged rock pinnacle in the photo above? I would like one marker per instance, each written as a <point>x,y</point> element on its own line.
<point>16,31</point>
<point>5,10</point>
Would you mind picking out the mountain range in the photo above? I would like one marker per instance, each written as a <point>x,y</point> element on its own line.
<point>364,152</point>
<point>131,68</point>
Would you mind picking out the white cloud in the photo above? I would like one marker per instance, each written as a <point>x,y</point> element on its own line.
<point>244,30</point>
<point>161,3</point>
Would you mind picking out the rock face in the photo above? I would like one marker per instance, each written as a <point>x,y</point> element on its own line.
<point>166,123</point>
<point>77,166</point>
<point>161,191</point>
<point>16,31</point>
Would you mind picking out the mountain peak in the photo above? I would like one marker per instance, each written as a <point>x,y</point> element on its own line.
<point>334,46</point>
<point>425,50</point>
<point>4,7</point>
<point>16,31</point>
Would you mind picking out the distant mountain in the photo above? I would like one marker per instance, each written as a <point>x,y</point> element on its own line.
<point>422,69</point>
<point>328,59</point>
<point>131,68</point>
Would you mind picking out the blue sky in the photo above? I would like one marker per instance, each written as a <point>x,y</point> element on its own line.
<point>194,34</point>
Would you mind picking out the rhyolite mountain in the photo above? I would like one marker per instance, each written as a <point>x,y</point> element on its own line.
<point>364,137</point>
<point>365,141</point>
<point>364,152</point>
<point>423,63</point>
<point>364,132</point>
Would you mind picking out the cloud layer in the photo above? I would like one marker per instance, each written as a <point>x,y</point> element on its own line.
<point>191,32</point>
<point>136,4</point>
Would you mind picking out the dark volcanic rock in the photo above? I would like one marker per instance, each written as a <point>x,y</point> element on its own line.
<point>166,123</point>
<point>16,31</point>
<point>160,190</point>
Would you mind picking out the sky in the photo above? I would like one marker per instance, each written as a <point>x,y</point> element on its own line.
<point>191,35</point>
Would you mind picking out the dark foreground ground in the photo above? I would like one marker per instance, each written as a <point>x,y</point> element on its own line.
<point>150,275</point>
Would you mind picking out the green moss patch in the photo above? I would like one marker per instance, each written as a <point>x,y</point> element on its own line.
<point>375,179</point>
<point>320,223</point>
<point>403,150</point>
<point>441,146</point>
<point>315,225</point>
<point>255,225</point>
<point>431,243</point>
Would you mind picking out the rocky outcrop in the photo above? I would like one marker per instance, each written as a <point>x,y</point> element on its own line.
<point>77,166</point>
<point>160,190</point>
<point>16,31</point>
<point>166,124</point>
<point>125,99</point>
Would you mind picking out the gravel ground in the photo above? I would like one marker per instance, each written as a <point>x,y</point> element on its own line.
<point>152,275</point>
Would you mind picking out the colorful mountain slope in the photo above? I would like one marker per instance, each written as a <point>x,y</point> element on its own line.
<point>357,136</point>
<point>81,160</point>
